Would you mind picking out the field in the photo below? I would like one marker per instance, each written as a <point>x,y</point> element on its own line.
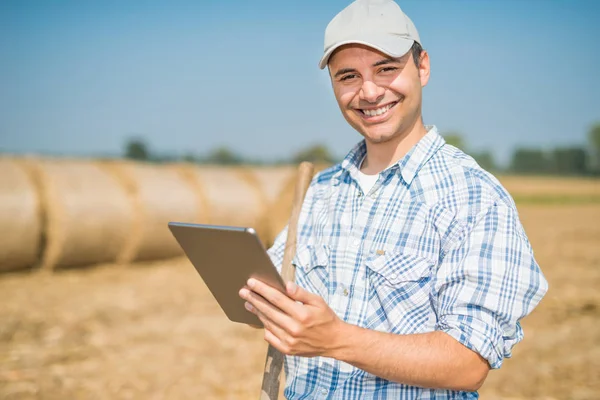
<point>152,330</point>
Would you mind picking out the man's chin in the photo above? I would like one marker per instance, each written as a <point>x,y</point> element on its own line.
<point>378,138</point>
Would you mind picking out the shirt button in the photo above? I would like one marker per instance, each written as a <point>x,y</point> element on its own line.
<point>356,243</point>
<point>345,292</point>
<point>374,195</point>
<point>324,391</point>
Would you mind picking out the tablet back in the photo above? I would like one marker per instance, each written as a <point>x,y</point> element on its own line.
<point>226,257</point>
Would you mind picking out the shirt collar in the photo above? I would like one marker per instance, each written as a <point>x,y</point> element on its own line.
<point>408,166</point>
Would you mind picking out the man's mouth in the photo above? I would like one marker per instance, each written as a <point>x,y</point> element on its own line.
<point>374,112</point>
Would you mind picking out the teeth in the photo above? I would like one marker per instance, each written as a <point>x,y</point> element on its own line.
<point>377,111</point>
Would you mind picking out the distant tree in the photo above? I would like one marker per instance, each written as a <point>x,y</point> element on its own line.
<point>455,139</point>
<point>164,158</point>
<point>530,161</point>
<point>569,161</point>
<point>189,157</point>
<point>485,160</point>
<point>594,139</point>
<point>316,154</point>
<point>136,149</point>
<point>225,156</point>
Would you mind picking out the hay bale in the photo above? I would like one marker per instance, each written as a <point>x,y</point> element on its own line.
<point>232,194</point>
<point>280,210</point>
<point>20,217</point>
<point>160,194</point>
<point>88,214</point>
<point>273,182</point>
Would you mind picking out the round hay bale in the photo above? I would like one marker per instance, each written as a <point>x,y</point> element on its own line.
<point>232,194</point>
<point>88,213</point>
<point>280,210</point>
<point>160,194</point>
<point>20,217</point>
<point>272,181</point>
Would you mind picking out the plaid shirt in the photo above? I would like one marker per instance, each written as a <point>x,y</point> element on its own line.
<point>435,245</point>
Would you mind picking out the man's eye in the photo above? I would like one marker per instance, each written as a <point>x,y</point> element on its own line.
<point>348,77</point>
<point>388,69</point>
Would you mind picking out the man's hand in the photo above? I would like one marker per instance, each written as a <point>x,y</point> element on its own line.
<point>300,323</point>
<point>310,328</point>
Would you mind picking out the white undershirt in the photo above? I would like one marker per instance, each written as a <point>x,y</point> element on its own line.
<point>365,181</point>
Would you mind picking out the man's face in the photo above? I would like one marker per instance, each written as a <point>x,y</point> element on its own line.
<point>379,96</point>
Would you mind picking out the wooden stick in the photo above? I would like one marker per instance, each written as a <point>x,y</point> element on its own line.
<point>274,361</point>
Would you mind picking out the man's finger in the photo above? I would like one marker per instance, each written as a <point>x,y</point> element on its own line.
<point>272,327</point>
<point>274,296</point>
<point>275,342</point>
<point>262,306</point>
<point>299,294</point>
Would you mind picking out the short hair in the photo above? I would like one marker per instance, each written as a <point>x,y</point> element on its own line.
<point>416,51</point>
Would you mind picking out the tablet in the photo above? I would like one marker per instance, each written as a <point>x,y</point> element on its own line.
<point>226,257</point>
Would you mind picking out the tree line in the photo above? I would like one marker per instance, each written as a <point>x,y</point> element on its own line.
<point>570,160</point>
<point>138,149</point>
<point>583,160</point>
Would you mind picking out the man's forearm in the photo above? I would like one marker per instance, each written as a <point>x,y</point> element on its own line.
<point>432,360</point>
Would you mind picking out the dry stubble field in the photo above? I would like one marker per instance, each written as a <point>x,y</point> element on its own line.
<point>153,331</point>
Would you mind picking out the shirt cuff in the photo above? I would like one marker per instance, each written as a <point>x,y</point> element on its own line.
<point>477,335</point>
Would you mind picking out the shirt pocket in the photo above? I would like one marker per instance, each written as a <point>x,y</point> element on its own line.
<point>399,285</point>
<point>312,268</point>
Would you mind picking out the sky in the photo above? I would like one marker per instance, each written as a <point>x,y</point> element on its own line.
<point>81,77</point>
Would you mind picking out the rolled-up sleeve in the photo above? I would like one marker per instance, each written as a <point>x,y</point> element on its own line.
<point>487,281</point>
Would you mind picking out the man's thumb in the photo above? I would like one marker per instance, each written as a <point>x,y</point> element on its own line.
<point>299,294</point>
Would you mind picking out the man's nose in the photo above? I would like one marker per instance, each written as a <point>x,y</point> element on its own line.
<point>371,92</point>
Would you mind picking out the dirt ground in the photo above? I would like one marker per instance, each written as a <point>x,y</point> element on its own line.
<point>153,331</point>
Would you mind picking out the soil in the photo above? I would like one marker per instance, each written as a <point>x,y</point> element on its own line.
<point>154,331</point>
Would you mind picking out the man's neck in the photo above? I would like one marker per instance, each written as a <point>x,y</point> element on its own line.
<point>382,155</point>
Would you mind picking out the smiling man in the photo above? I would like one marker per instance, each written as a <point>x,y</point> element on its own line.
<point>413,270</point>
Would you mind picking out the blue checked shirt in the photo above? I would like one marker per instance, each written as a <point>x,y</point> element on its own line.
<point>435,245</point>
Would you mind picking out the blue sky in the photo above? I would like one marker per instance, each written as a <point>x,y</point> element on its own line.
<point>80,77</point>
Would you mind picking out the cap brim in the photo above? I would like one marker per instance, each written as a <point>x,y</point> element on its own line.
<point>392,45</point>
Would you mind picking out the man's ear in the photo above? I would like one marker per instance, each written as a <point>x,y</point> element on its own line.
<point>424,68</point>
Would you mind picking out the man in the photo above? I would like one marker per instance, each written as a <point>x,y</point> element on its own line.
<point>412,267</point>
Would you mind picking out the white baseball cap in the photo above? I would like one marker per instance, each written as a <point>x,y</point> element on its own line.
<point>379,24</point>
